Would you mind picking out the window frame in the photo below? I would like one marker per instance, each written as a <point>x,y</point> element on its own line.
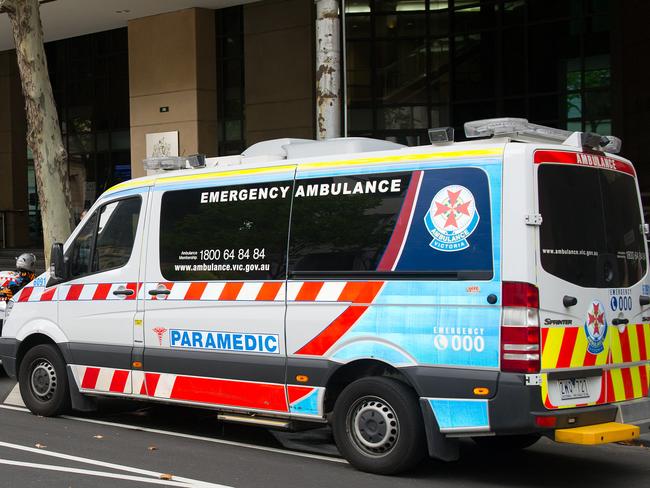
<point>291,181</point>
<point>403,275</point>
<point>94,239</point>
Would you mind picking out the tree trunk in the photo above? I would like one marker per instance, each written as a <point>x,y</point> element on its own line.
<point>43,130</point>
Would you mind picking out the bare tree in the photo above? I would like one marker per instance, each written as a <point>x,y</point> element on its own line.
<point>43,130</point>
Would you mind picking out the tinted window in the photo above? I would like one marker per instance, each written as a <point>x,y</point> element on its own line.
<point>344,223</point>
<point>225,233</point>
<point>118,223</point>
<point>385,223</point>
<point>106,240</point>
<point>591,233</point>
<point>78,254</point>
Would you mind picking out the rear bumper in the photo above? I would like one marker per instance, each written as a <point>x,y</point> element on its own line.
<point>517,408</point>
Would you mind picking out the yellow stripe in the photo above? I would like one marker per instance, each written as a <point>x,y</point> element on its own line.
<point>636,381</point>
<point>203,176</point>
<point>619,387</point>
<point>552,347</point>
<point>615,345</point>
<point>406,157</point>
<point>323,164</point>
<point>580,349</point>
<point>544,388</point>
<point>602,358</point>
<point>646,331</point>
<point>634,343</point>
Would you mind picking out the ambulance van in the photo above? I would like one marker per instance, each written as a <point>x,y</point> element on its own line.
<point>495,289</point>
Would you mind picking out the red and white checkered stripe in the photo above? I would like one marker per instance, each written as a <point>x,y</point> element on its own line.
<point>196,389</point>
<point>308,291</point>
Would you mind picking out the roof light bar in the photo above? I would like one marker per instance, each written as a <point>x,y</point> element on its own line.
<point>521,128</point>
<point>167,163</point>
<point>509,126</point>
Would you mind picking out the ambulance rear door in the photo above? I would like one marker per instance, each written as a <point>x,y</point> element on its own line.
<point>592,272</point>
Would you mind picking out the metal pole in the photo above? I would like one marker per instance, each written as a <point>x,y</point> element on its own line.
<point>328,69</point>
<point>344,69</point>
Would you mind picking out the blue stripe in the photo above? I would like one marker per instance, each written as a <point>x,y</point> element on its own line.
<point>460,414</point>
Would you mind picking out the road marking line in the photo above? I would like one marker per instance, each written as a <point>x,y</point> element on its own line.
<point>14,397</point>
<point>108,465</point>
<point>89,472</point>
<point>195,437</point>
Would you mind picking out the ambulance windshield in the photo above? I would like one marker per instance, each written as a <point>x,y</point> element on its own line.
<point>591,233</point>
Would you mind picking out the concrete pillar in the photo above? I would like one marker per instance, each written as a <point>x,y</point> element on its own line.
<point>13,153</point>
<point>279,66</point>
<point>172,60</point>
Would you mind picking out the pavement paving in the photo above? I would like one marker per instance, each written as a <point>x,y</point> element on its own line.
<point>129,444</point>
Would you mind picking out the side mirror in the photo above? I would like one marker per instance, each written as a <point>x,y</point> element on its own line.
<point>58,273</point>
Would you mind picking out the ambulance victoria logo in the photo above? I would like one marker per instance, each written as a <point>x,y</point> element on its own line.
<point>596,327</point>
<point>452,218</point>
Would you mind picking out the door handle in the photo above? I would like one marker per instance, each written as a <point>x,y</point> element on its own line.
<point>569,301</point>
<point>620,321</point>
<point>125,292</point>
<point>644,300</point>
<point>157,292</point>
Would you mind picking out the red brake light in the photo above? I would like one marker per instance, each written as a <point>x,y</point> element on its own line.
<point>517,294</point>
<point>520,336</point>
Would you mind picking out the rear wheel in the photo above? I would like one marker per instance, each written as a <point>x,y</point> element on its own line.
<point>377,426</point>
<point>43,381</point>
<point>507,442</point>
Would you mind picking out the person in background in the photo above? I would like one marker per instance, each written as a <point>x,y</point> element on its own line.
<point>25,265</point>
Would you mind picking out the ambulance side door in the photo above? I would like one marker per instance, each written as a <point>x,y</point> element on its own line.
<point>214,293</point>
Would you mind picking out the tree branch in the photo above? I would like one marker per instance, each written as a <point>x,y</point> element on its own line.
<point>7,6</point>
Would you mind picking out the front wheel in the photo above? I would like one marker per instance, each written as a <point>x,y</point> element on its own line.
<point>43,381</point>
<point>377,426</point>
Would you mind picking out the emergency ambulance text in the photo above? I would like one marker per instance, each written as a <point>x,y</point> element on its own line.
<point>314,190</point>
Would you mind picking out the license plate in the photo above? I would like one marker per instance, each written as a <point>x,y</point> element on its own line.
<point>573,388</point>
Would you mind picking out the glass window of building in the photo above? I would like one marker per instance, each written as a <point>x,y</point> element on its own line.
<point>414,64</point>
<point>230,80</point>
<point>90,82</point>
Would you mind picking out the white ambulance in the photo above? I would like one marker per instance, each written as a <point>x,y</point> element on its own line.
<point>495,289</point>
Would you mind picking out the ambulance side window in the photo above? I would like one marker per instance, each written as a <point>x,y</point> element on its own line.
<point>236,232</point>
<point>106,240</point>
<point>79,253</point>
<point>426,224</point>
<point>343,224</point>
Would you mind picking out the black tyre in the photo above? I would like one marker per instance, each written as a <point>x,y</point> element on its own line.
<point>377,426</point>
<point>504,443</point>
<point>43,381</point>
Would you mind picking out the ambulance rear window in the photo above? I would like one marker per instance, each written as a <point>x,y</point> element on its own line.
<point>591,232</point>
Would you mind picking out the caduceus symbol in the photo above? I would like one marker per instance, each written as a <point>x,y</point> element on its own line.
<point>160,331</point>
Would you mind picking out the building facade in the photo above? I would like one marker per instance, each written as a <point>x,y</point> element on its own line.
<point>221,75</point>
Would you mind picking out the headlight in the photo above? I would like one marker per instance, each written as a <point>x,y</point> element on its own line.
<point>8,308</point>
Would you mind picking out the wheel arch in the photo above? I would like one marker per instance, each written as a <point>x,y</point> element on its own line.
<point>32,340</point>
<point>357,369</point>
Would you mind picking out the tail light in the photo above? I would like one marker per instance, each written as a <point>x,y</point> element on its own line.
<point>520,344</point>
